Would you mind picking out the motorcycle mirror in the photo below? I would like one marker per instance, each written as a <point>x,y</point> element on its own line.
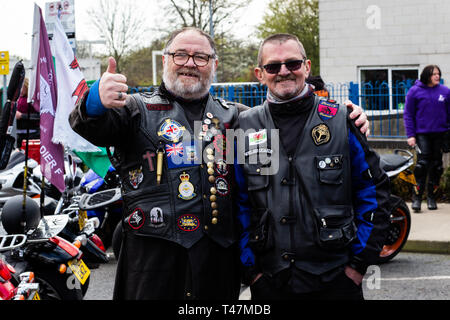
<point>99,199</point>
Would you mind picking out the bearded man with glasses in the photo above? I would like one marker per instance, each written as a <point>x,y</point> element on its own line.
<point>319,220</point>
<point>181,207</point>
<point>180,235</point>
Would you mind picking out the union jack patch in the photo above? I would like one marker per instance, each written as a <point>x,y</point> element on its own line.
<point>183,154</point>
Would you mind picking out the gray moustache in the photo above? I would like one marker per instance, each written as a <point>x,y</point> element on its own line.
<point>189,72</point>
<point>278,79</point>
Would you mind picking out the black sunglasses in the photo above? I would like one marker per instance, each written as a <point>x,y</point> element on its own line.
<point>274,68</point>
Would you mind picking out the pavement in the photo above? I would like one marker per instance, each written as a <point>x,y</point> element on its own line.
<point>430,230</point>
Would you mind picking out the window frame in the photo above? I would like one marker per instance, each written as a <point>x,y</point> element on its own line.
<point>391,110</point>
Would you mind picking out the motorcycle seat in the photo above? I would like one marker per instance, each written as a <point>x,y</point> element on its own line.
<point>390,162</point>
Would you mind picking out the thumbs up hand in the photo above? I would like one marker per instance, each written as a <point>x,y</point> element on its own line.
<point>113,87</point>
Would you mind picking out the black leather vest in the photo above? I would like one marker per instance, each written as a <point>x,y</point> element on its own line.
<point>194,195</point>
<point>302,206</point>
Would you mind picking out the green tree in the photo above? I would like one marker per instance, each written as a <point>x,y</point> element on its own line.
<point>237,60</point>
<point>298,17</point>
<point>137,65</point>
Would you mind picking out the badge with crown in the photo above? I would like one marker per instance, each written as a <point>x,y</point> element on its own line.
<point>186,188</point>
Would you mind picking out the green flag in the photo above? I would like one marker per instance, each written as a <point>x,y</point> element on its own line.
<point>97,161</point>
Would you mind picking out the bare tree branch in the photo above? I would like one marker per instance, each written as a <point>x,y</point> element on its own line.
<point>120,24</point>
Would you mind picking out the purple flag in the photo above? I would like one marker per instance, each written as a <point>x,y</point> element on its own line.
<point>45,100</point>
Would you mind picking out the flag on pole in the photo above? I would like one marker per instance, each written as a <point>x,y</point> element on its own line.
<point>71,87</point>
<point>44,99</point>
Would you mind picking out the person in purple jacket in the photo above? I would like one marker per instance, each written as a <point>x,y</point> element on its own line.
<point>427,118</point>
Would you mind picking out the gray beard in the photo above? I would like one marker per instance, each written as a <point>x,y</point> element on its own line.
<point>187,92</point>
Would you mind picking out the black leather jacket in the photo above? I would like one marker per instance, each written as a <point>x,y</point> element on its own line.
<point>193,198</point>
<point>308,211</point>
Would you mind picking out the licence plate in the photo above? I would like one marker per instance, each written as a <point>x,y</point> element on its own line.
<point>80,270</point>
<point>82,217</point>
<point>36,296</point>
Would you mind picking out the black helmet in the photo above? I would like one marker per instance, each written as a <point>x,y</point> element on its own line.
<point>11,215</point>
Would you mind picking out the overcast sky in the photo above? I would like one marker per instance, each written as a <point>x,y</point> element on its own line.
<point>16,21</point>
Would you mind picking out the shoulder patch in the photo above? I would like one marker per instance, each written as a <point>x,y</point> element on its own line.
<point>327,109</point>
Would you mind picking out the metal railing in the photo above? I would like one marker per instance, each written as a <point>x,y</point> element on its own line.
<point>382,102</point>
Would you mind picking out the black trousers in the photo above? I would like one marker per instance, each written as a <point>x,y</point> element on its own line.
<point>340,287</point>
<point>157,269</point>
<point>429,161</point>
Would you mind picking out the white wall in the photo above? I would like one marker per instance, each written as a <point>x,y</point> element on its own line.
<point>407,33</point>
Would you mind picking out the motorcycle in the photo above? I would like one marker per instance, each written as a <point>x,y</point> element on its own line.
<point>78,230</point>
<point>397,165</point>
<point>102,199</point>
<point>56,263</point>
<point>27,288</point>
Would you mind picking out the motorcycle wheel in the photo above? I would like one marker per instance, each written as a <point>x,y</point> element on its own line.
<point>398,232</point>
<point>56,286</point>
<point>117,240</point>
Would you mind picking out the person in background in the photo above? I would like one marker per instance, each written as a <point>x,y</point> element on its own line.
<point>427,122</point>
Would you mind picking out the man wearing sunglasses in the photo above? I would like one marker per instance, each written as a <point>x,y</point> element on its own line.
<point>318,221</point>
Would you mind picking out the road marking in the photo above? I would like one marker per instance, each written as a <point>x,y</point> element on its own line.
<point>416,278</point>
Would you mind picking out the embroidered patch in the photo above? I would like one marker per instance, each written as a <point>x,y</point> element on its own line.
<point>171,130</point>
<point>159,107</point>
<point>156,218</point>
<point>135,177</point>
<point>221,167</point>
<point>257,137</point>
<point>327,110</point>
<point>149,157</point>
<point>188,222</point>
<point>175,149</point>
<point>186,188</point>
<point>222,186</point>
<point>320,134</point>
<point>182,154</point>
<point>136,219</point>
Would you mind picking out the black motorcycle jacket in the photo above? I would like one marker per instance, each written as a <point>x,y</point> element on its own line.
<point>319,209</point>
<point>151,135</point>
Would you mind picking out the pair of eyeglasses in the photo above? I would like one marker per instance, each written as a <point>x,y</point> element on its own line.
<point>181,58</point>
<point>274,68</point>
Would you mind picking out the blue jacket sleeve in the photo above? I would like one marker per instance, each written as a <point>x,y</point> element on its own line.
<point>370,188</point>
<point>94,106</point>
<point>246,255</point>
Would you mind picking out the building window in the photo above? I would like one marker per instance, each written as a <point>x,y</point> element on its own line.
<point>383,89</point>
